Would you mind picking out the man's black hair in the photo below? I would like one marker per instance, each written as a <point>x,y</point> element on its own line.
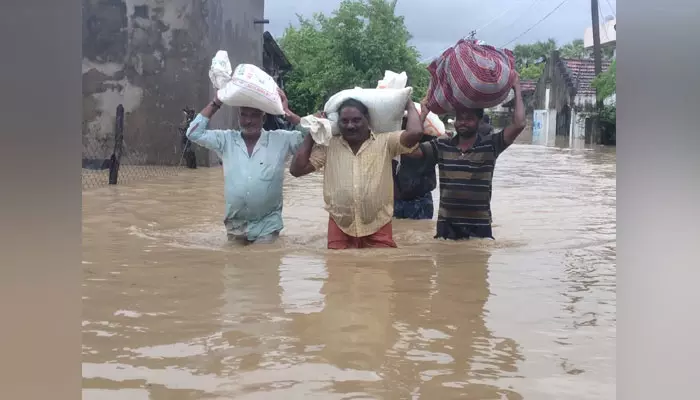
<point>354,104</point>
<point>479,112</point>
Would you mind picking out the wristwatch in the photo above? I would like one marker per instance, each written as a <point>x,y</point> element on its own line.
<point>216,104</point>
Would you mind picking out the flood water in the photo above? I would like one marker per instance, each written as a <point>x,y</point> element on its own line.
<point>172,311</point>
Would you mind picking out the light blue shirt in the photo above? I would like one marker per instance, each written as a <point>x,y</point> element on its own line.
<point>252,183</point>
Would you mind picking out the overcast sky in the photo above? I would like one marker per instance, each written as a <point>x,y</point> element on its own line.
<point>437,24</point>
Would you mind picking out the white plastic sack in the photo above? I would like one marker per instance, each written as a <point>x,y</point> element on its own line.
<point>392,80</point>
<point>450,127</point>
<point>248,86</point>
<point>433,125</point>
<point>220,72</point>
<point>386,106</point>
<point>320,129</point>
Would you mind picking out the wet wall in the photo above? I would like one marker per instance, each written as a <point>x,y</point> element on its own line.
<point>153,57</point>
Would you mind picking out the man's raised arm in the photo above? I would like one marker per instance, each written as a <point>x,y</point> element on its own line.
<point>511,132</point>
<point>198,133</point>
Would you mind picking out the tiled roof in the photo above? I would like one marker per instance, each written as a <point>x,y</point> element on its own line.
<point>528,85</point>
<point>580,73</point>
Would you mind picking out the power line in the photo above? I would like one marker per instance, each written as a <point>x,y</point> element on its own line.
<point>500,15</point>
<point>537,23</point>
<point>521,14</point>
<point>472,34</point>
<point>494,19</point>
<point>612,9</point>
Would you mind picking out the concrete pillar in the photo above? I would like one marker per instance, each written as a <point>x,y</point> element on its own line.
<point>572,122</point>
<point>551,127</point>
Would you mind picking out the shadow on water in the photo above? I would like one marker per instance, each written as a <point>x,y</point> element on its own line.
<point>173,311</point>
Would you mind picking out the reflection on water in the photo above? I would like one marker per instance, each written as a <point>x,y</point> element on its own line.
<point>172,311</point>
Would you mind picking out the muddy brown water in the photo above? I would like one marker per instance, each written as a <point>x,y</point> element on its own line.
<point>172,311</point>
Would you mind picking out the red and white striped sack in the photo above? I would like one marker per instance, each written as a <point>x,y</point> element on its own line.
<point>470,75</point>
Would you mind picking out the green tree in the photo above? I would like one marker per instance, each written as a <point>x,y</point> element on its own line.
<point>605,84</point>
<point>528,56</point>
<point>574,49</point>
<point>531,72</point>
<point>351,47</point>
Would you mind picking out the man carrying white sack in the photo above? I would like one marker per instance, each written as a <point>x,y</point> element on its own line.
<point>358,184</point>
<point>254,165</point>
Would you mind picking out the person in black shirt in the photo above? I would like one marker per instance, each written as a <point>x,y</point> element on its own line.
<point>485,127</point>
<point>414,182</point>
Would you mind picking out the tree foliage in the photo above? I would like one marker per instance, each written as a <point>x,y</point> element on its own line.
<point>605,84</point>
<point>351,47</point>
<point>574,49</point>
<point>531,72</point>
<point>608,114</point>
<point>527,54</point>
<point>529,57</point>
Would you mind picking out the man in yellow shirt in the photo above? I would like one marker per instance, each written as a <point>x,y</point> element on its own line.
<point>358,185</point>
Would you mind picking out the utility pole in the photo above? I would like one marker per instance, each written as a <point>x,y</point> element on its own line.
<point>598,65</point>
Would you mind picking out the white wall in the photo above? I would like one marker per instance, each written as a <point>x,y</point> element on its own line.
<point>608,34</point>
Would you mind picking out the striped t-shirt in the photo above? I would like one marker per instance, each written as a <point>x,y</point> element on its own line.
<point>465,184</point>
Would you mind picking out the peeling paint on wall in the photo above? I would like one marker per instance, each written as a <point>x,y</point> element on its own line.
<point>152,56</point>
<point>121,92</point>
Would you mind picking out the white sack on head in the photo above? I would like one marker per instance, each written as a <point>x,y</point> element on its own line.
<point>433,125</point>
<point>392,80</point>
<point>220,71</point>
<point>386,106</point>
<point>247,86</point>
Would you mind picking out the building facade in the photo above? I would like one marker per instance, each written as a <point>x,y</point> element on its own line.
<point>502,115</point>
<point>565,93</point>
<point>153,57</point>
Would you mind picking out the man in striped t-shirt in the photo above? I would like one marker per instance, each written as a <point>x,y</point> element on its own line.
<point>466,163</point>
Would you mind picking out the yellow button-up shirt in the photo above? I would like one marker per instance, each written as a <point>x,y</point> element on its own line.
<point>358,188</point>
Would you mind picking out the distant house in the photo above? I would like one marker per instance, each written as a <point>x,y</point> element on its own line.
<point>608,39</point>
<point>564,91</point>
<point>607,34</point>
<point>502,114</point>
<point>527,87</point>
